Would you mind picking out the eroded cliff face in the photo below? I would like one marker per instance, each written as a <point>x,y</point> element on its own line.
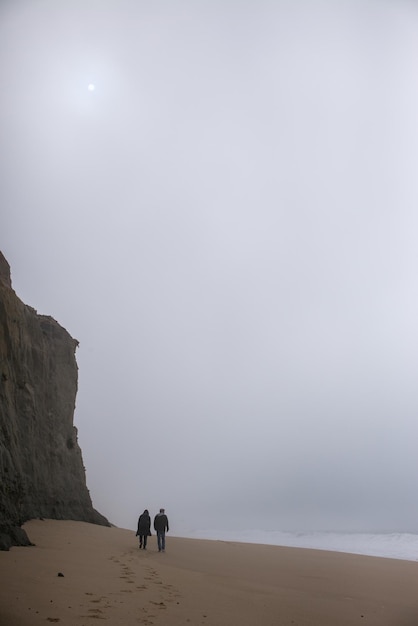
<point>41,466</point>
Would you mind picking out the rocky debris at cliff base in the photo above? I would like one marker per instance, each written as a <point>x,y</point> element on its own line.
<point>13,536</point>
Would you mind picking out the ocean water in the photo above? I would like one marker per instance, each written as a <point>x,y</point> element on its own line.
<point>389,545</point>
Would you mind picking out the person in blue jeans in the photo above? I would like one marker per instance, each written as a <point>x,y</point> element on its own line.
<point>161,527</point>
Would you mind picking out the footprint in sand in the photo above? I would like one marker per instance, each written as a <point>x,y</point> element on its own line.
<point>94,614</point>
<point>148,617</point>
<point>160,605</point>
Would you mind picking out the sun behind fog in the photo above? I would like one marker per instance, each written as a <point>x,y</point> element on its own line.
<point>91,87</point>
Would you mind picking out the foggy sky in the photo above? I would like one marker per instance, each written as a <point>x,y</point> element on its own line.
<point>228,225</point>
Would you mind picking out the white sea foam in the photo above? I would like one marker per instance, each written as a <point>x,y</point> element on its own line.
<point>390,545</point>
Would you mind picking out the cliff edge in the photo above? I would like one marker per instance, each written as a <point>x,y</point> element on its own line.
<point>41,466</point>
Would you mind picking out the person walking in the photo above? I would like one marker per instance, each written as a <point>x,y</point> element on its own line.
<point>161,527</point>
<point>144,529</point>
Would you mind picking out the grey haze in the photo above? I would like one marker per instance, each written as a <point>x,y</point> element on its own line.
<point>228,225</point>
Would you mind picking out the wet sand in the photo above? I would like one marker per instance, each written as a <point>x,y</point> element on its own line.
<point>213,583</point>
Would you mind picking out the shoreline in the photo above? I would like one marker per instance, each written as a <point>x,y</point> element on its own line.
<point>393,545</point>
<point>196,581</point>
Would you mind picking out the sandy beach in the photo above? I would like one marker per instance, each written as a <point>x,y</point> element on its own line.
<point>79,573</point>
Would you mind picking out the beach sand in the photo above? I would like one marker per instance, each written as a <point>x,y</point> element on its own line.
<point>213,583</point>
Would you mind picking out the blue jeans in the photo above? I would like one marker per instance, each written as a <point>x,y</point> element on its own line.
<point>161,540</point>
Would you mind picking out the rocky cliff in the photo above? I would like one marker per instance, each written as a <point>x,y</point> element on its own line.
<point>41,466</point>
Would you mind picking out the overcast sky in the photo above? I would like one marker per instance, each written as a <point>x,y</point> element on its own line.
<point>228,225</point>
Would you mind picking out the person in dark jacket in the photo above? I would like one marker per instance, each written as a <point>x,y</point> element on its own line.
<point>144,529</point>
<point>161,527</point>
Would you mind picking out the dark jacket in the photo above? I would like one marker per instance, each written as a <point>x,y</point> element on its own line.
<point>161,522</point>
<point>144,524</point>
